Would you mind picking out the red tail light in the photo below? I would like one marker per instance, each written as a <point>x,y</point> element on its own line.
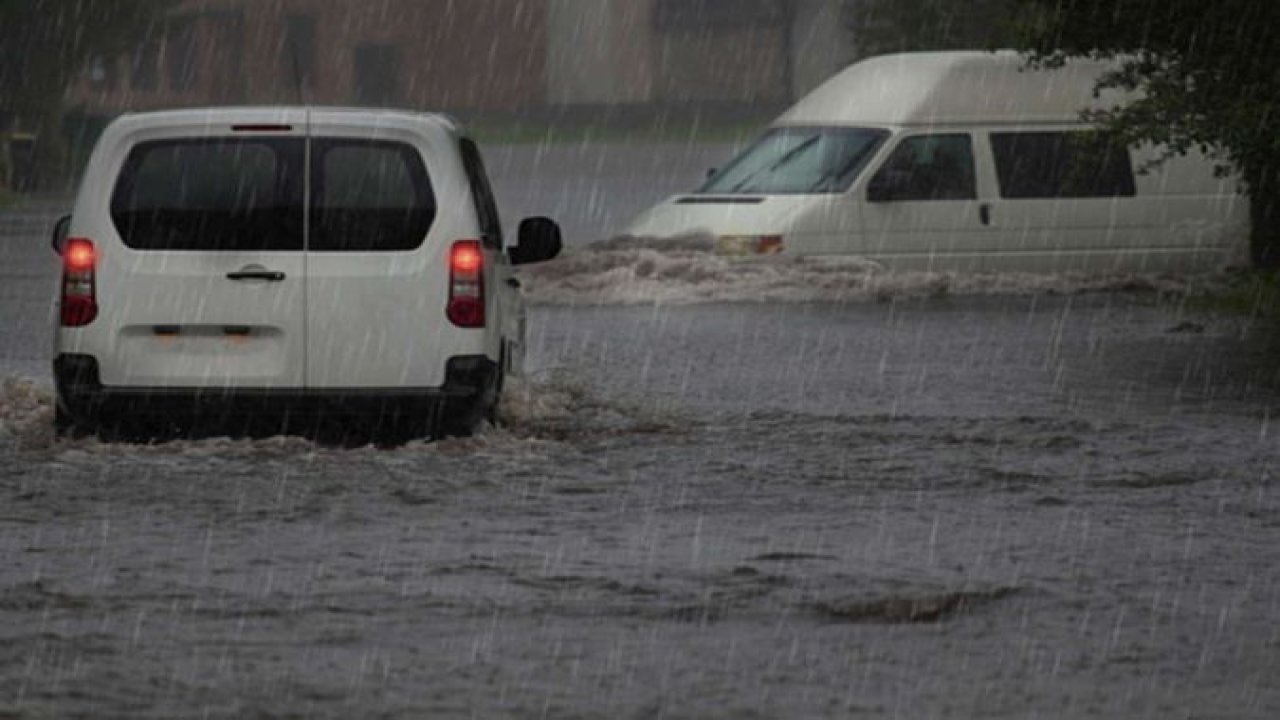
<point>466,284</point>
<point>79,283</point>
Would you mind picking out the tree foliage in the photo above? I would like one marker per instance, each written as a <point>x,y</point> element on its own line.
<point>45,44</point>
<point>1208,77</point>
<point>883,26</point>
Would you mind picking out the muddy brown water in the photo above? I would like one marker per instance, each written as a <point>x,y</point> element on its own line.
<point>920,499</point>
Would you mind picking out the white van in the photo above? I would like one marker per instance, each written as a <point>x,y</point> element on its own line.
<point>259,268</point>
<point>962,161</point>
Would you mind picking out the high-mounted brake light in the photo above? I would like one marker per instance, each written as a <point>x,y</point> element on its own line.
<point>262,128</point>
<point>466,284</point>
<point>79,283</point>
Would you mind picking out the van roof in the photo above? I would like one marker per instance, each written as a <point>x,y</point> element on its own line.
<point>964,87</point>
<point>265,114</point>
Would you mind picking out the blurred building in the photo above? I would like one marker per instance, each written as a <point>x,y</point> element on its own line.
<point>707,52</point>
<point>506,56</point>
<point>413,53</point>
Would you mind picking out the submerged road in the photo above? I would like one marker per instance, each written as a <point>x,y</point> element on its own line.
<point>916,505</point>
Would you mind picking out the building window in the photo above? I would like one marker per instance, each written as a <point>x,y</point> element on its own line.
<point>377,75</point>
<point>180,55</point>
<point>144,72</point>
<point>102,73</point>
<point>298,55</point>
<point>698,16</point>
<point>228,36</point>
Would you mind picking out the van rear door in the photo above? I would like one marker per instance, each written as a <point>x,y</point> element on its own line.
<point>377,276</point>
<point>203,283</point>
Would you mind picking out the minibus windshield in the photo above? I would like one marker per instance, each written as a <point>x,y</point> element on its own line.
<point>798,160</point>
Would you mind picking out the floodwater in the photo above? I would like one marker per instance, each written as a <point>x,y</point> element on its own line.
<point>725,491</point>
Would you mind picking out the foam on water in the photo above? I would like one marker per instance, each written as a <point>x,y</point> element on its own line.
<point>532,412</point>
<point>686,270</point>
<point>26,414</point>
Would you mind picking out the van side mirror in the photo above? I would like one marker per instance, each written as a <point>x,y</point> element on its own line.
<point>711,172</point>
<point>538,240</point>
<point>58,240</point>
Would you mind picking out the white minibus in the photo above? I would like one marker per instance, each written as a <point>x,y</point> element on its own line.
<point>963,161</point>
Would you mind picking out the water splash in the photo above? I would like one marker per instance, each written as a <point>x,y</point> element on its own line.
<point>26,414</point>
<point>686,270</point>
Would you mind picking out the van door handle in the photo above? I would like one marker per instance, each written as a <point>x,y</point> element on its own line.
<point>984,213</point>
<point>268,275</point>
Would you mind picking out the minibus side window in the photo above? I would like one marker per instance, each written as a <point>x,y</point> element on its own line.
<point>1076,164</point>
<point>927,167</point>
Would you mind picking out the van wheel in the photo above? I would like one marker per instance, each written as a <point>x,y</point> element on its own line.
<point>462,417</point>
<point>495,396</point>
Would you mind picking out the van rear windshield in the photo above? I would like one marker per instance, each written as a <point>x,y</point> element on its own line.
<point>368,196</point>
<point>230,195</point>
<point>247,194</point>
<point>798,160</point>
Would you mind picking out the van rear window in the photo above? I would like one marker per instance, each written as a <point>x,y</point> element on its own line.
<point>1077,164</point>
<point>246,194</point>
<point>229,195</point>
<point>369,196</point>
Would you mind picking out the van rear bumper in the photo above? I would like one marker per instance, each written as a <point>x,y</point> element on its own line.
<point>82,395</point>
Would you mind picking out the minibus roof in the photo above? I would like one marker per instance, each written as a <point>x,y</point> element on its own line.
<point>953,88</point>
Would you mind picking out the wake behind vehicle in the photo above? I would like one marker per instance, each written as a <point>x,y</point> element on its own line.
<point>267,269</point>
<point>962,161</point>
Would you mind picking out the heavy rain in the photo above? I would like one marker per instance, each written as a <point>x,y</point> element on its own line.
<point>811,424</point>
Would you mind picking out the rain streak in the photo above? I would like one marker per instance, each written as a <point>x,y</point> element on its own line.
<point>745,473</point>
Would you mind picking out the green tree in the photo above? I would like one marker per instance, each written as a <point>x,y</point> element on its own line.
<point>1208,76</point>
<point>45,44</point>
<point>884,26</point>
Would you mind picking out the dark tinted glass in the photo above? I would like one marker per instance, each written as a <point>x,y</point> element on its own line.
<point>482,193</point>
<point>798,160</point>
<point>1062,165</point>
<point>230,195</point>
<point>369,196</point>
<point>929,167</point>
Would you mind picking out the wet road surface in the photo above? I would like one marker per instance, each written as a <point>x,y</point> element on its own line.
<point>913,504</point>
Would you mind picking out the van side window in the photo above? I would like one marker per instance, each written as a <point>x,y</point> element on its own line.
<point>214,195</point>
<point>482,194</point>
<point>368,196</point>
<point>928,167</point>
<point>1077,164</point>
